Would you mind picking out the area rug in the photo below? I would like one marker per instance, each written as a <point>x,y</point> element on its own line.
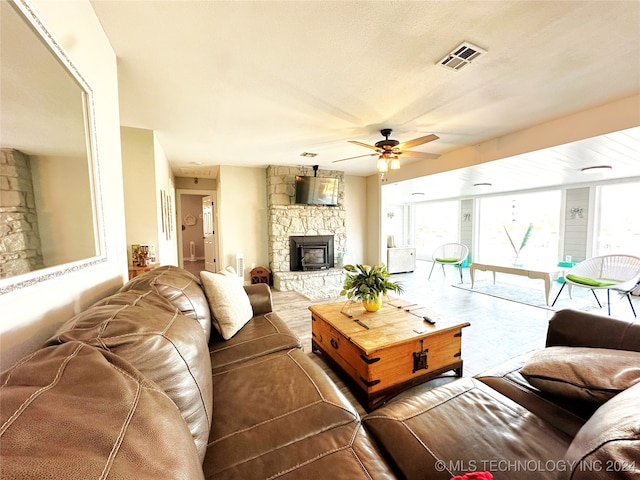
<point>582,299</point>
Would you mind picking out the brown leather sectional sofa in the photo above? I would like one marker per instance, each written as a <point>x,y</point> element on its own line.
<point>138,386</point>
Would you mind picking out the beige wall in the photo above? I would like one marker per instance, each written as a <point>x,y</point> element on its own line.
<point>138,173</point>
<point>242,217</point>
<point>146,174</point>
<point>31,314</point>
<point>167,242</point>
<point>355,202</point>
<point>375,248</point>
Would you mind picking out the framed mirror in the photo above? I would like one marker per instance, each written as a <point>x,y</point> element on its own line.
<point>50,206</point>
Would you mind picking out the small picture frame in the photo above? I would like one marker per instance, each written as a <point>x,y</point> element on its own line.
<point>135,249</point>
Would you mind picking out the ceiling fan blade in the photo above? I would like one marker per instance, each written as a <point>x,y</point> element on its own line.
<point>363,145</point>
<point>359,156</point>
<point>421,155</point>
<point>418,141</point>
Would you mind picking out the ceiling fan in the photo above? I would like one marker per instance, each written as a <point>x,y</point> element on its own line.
<point>388,150</point>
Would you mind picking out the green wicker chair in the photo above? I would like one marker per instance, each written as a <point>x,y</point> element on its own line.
<point>449,254</point>
<point>610,272</point>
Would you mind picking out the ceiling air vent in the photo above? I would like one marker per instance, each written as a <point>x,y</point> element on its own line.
<point>461,56</point>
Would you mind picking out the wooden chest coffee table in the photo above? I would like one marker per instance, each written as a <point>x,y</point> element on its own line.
<point>387,351</point>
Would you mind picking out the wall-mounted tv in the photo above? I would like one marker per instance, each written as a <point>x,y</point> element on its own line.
<point>316,190</point>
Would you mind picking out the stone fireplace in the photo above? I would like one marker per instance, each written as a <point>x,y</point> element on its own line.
<point>311,252</point>
<point>286,219</point>
<point>20,249</point>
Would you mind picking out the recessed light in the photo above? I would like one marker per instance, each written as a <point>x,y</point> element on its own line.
<point>596,169</point>
<point>483,185</point>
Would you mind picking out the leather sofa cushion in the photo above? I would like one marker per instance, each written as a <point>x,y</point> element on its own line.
<point>571,328</point>
<point>607,445</point>
<point>166,347</point>
<point>567,414</point>
<point>294,422</point>
<point>260,298</point>
<point>75,411</point>
<point>264,334</point>
<point>180,287</point>
<point>463,426</point>
<point>583,373</point>
<point>147,299</point>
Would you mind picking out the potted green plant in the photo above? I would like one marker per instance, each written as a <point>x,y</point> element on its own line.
<point>368,284</point>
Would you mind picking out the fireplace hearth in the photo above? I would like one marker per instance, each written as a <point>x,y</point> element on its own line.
<point>311,252</point>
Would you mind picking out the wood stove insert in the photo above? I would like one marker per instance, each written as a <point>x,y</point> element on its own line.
<point>311,252</point>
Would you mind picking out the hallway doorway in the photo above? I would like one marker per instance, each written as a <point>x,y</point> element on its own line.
<point>191,243</point>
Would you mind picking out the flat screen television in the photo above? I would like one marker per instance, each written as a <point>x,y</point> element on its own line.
<point>316,190</point>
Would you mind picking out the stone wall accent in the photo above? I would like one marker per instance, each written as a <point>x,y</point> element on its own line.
<point>281,184</point>
<point>315,285</point>
<point>285,219</point>
<point>20,249</point>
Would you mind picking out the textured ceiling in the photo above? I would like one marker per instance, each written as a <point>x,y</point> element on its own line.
<point>258,83</point>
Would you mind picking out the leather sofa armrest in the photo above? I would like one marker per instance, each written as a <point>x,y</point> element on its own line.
<point>579,329</point>
<point>260,298</point>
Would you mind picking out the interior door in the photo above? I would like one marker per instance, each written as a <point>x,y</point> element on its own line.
<point>208,226</point>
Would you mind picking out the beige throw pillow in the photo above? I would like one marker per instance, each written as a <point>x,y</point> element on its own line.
<point>592,374</point>
<point>228,301</point>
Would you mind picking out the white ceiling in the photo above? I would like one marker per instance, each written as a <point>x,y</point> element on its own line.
<point>257,83</point>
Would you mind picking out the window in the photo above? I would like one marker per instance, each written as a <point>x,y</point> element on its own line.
<point>435,223</point>
<point>619,226</point>
<point>522,226</point>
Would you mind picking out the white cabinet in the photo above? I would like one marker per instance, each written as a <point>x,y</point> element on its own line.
<point>401,259</point>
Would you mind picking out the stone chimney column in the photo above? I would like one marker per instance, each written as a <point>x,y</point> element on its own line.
<point>20,250</point>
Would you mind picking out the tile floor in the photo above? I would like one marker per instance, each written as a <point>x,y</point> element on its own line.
<point>500,329</point>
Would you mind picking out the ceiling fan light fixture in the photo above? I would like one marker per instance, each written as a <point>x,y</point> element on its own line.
<point>389,150</point>
<point>596,169</point>
<point>383,165</point>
